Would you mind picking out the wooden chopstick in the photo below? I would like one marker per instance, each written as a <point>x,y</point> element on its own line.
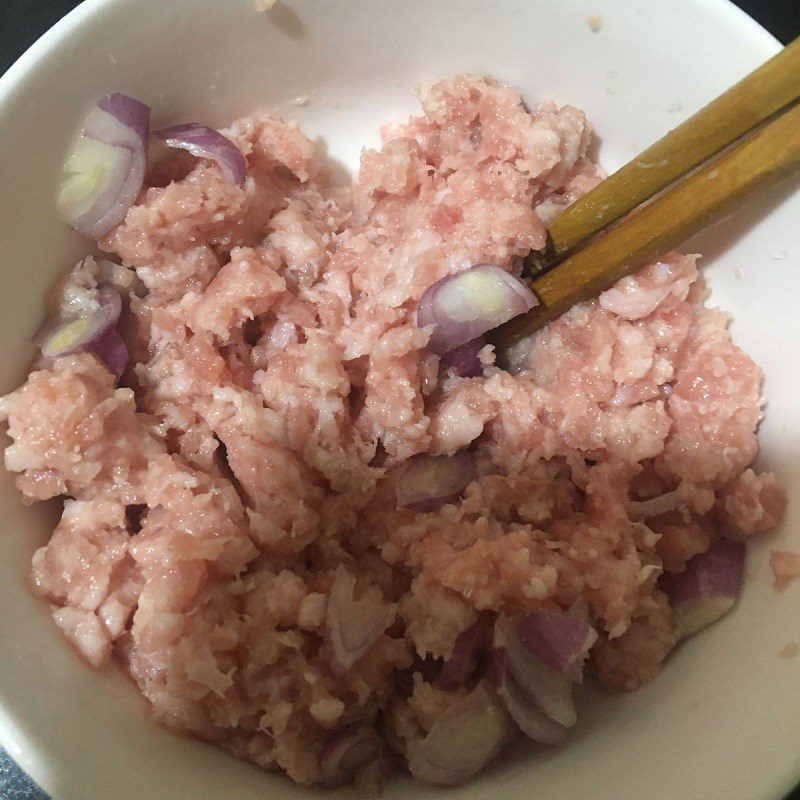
<point>719,187</point>
<point>764,92</point>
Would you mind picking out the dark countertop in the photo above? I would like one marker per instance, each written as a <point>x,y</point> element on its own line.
<point>23,21</point>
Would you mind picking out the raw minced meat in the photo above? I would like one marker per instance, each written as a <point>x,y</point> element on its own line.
<point>785,567</point>
<point>245,467</point>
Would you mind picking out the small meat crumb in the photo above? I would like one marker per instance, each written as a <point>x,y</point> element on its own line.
<point>789,650</point>
<point>327,710</point>
<point>264,5</point>
<point>785,567</point>
<point>301,100</point>
<point>595,22</point>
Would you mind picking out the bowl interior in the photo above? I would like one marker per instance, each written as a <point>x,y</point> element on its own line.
<point>723,720</point>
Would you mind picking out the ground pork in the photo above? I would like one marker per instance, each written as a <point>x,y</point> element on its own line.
<point>246,466</point>
<point>785,567</point>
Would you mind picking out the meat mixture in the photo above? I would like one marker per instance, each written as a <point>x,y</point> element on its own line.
<point>233,533</point>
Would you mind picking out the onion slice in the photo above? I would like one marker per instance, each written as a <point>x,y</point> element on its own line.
<point>550,690</point>
<point>530,719</point>
<point>105,168</point>
<point>352,626</point>
<point>110,348</point>
<point>464,361</point>
<point>205,142</point>
<point>346,752</point>
<point>424,483</point>
<point>462,740</point>
<point>71,335</point>
<point>464,306</point>
<point>707,589</point>
<point>468,646</point>
<point>561,641</point>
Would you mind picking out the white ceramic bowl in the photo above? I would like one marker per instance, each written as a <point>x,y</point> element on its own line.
<point>723,720</point>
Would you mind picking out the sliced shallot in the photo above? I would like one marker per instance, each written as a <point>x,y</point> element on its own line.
<point>347,751</point>
<point>464,306</point>
<point>111,350</point>
<point>352,626</point>
<point>529,717</point>
<point>424,483</point>
<point>71,335</point>
<point>707,589</point>
<point>205,142</point>
<point>104,171</point>
<point>469,644</point>
<point>465,360</point>
<point>549,689</point>
<point>561,641</point>
<point>462,740</point>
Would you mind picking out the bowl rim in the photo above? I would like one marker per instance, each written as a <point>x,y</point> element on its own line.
<point>21,742</point>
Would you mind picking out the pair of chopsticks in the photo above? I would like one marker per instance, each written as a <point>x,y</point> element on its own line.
<point>578,264</point>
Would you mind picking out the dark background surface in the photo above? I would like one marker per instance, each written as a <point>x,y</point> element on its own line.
<point>23,21</point>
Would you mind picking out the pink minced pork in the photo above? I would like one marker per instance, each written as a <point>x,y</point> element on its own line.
<point>279,382</point>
